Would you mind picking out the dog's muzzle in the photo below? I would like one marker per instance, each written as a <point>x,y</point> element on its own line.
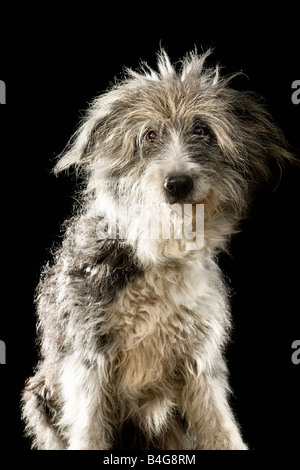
<point>178,187</point>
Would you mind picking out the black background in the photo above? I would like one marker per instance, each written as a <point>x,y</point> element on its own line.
<point>52,67</point>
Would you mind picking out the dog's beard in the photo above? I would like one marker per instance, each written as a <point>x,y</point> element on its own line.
<point>138,211</point>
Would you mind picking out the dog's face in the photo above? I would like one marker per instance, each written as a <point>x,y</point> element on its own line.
<point>181,137</point>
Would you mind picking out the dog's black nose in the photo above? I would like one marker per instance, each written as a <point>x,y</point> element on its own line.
<point>178,186</point>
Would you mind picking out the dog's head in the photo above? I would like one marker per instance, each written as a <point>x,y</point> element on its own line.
<point>178,136</point>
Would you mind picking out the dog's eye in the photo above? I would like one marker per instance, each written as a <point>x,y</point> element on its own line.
<point>150,136</point>
<point>200,130</point>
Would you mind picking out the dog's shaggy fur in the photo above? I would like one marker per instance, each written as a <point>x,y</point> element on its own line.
<point>132,330</point>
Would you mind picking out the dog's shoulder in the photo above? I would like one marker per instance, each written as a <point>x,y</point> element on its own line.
<point>90,264</point>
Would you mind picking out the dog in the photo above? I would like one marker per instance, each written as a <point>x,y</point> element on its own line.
<point>133,313</point>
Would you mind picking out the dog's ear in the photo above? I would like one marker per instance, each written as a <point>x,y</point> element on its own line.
<point>258,137</point>
<point>83,145</point>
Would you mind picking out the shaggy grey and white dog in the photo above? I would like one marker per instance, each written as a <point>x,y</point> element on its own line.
<point>132,327</point>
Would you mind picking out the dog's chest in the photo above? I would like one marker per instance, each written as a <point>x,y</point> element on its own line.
<point>157,304</point>
<point>157,321</point>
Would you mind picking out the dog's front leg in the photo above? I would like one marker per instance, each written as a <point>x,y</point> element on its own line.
<point>209,417</point>
<point>86,412</point>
